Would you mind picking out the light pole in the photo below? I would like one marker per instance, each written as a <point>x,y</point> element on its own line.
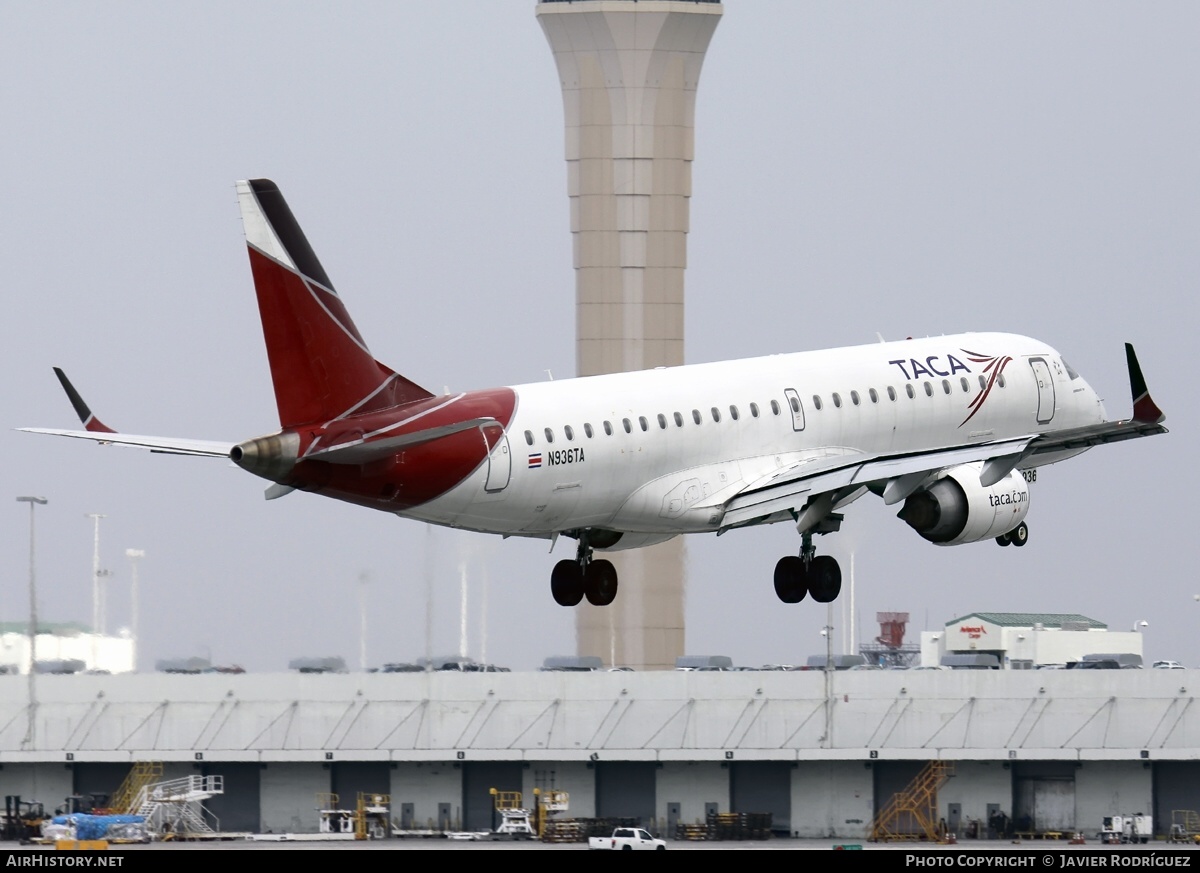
<point>29,729</point>
<point>134,555</point>
<point>95,517</point>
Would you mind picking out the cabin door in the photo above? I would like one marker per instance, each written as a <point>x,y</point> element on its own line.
<point>1045,385</point>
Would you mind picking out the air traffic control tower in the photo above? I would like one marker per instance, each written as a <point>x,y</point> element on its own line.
<point>629,71</point>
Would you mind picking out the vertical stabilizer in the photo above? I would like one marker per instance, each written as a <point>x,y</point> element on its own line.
<point>320,366</point>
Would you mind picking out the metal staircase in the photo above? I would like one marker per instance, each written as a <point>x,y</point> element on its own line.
<point>911,814</point>
<point>127,798</point>
<point>175,809</point>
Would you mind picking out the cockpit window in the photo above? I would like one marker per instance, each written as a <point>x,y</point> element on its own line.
<point>1070,370</point>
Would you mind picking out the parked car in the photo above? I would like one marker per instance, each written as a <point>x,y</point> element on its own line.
<point>1167,665</point>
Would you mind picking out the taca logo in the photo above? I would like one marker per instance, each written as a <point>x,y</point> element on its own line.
<point>948,365</point>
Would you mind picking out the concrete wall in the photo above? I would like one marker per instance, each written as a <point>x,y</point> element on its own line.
<point>425,784</point>
<point>574,777</point>
<point>49,783</point>
<point>1112,788</point>
<point>691,784</point>
<point>832,799</point>
<point>975,784</point>
<point>289,796</point>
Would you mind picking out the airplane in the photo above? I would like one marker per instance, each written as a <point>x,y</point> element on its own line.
<point>951,428</point>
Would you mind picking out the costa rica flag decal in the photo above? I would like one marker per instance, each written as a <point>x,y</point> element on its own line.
<point>535,460</point>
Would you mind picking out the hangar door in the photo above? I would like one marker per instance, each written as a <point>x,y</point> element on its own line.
<point>479,778</point>
<point>889,779</point>
<point>1044,796</point>
<point>625,789</point>
<point>1176,790</point>
<point>763,786</point>
<point>97,778</point>
<point>237,810</point>
<point>352,778</point>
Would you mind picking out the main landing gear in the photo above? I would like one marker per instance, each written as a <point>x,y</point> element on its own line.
<point>1018,536</point>
<point>571,581</point>
<point>808,573</point>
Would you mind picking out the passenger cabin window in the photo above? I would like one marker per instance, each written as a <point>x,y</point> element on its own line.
<point>628,426</point>
<point>529,437</point>
<point>854,397</point>
<point>716,414</point>
<point>642,421</point>
<point>982,383</point>
<point>696,416</point>
<point>874,395</point>
<point>837,400</point>
<point>662,421</point>
<point>946,385</point>
<point>891,393</point>
<point>928,390</point>
<point>908,389</point>
<point>678,420</point>
<point>549,435</point>
<point>775,407</point>
<point>587,429</point>
<point>569,431</point>
<point>733,413</point>
<point>817,402</point>
<point>1000,380</point>
<point>966,386</point>
<point>754,410</point>
<point>608,428</point>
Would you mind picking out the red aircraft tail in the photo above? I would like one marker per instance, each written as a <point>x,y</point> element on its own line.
<point>320,365</point>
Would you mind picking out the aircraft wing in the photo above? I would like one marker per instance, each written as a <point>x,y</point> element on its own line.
<point>97,431</point>
<point>790,490</point>
<point>838,478</point>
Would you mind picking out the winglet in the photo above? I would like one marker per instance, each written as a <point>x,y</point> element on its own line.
<point>1144,409</point>
<point>90,422</point>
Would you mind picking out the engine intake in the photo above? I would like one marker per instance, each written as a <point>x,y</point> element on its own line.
<point>957,509</point>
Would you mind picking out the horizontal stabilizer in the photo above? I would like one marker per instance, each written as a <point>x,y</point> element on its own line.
<point>165,445</point>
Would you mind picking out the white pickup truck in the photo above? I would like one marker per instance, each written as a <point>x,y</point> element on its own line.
<point>627,839</point>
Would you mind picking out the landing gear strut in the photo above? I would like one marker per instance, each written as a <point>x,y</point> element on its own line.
<point>571,581</point>
<point>808,573</point>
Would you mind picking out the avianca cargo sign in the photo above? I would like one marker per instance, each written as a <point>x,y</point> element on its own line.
<point>973,633</point>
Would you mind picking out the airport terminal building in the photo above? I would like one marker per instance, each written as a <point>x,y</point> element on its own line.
<point>822,752</point>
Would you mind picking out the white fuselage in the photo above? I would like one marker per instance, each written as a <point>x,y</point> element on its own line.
<point>662,451</point>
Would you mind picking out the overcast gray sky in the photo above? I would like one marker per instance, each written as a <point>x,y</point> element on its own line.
<point>906,169</point>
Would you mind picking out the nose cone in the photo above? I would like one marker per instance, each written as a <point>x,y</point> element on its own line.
<point>271,457</point>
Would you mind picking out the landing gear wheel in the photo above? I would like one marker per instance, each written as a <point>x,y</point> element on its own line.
<point>600,583</point>
<point>566,583</point>
<point>1003,540</point>
<point>791,579</point>
<point>824,579</point>
<point>1019,535</point>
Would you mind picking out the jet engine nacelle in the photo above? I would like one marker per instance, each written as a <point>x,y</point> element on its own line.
<point>957,509</point>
